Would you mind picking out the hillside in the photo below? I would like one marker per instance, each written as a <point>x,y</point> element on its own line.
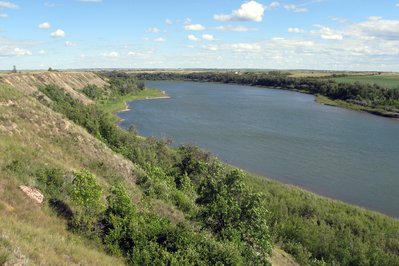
<point>148,203</point>
<point>33,137</point>
<point>42,149</point>
<point>28,83</point>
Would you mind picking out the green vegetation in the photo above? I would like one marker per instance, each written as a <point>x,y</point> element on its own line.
<point>226,224</point>
<point>118,103</point>
<point>359,96</point>
<point>344,104</point>
<point>154,204</point>
<point>386,81</point>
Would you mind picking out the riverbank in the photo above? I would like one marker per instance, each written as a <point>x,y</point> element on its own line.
<point>302,222</point>
<point>350,96</point>
<point>343,104</point>
<point>120,103</point>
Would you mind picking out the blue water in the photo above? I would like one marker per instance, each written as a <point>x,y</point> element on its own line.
<point>343,154</point>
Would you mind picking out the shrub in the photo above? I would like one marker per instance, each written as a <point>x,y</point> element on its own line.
<point>51,181</point>
<point>86,194</point>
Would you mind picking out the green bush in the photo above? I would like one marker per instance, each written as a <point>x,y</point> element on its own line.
<point>93,91</point>
<point>234,213</point>
<point>86,194</point>
<point>51,182</point>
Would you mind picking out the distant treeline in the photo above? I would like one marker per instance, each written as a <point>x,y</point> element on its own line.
<point>366,95</point>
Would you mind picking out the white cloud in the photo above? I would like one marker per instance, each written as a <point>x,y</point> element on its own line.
<point>272,5</point>
<point>296,30</point>
<point>44,25</point>
<point>141,54</point>
<point>376,29</point>
<point>70,44</point>
<point>58,33</point>
<point>21,52</point>
<point>153,30</point>
<point>8,5</point>
<point>42,52</point>
<point>235,28</point>
<point>208,37</point>
<point>211,47</point>
<point>329,34</point>
<point>374,18</point>
<point>131,53</point>
<point>246,47</point>
<point>192,37</point>
<point>397,5</point>
<point>291,43</point>
<point>112,54</point>
<point>194,27</point>
<point>249,11</point>
<point>168,21</point>
<point>295,8</point>
<point>160,39</point>
<point>3,16</point>
<point>191,46</point>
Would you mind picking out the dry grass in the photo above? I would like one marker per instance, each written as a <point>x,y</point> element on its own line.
<point>72,82</point>
<point>281,258</point>
<point>34,136</point>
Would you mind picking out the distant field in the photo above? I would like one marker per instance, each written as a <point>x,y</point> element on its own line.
<point>389,81</point>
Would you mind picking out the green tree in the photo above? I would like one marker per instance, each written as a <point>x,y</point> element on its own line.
<point>234,213</point>
<point>86,193</point>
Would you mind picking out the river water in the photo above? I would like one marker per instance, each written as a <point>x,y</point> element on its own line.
<point>343,154</point>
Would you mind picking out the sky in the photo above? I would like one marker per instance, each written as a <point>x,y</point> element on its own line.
<point>286,34</point>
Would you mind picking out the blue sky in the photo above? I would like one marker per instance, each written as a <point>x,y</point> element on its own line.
<point>286,34</point>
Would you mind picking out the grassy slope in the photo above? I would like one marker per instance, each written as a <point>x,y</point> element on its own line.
<point>388,81</point>
<point>39,137</point>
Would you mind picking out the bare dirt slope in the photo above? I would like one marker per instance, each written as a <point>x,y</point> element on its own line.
<point>72,82</point>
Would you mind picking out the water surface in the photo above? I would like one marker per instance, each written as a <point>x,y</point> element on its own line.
<point>347,155</point>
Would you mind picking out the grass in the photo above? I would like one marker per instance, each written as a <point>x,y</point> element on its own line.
<point>9,93</point>
<point>29,233</point>
<point>339,103</point>
<point>32,137</point>
<point>388,81</point>
<point>118,103</point>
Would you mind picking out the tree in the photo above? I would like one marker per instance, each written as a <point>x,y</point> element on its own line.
<point>14,70</point>
<point>234,213</point>
<point>85,190</point>
<point>86,194</point>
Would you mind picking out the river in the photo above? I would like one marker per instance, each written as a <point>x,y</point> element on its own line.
<point>343,154</point>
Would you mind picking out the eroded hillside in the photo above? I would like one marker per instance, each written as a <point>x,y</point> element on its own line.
<point>34,137</point>
<point>72,82</point>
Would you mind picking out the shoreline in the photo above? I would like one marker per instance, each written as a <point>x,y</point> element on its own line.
<point>277,179</point>
<point>342,104</point>
<point>126,109</point>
